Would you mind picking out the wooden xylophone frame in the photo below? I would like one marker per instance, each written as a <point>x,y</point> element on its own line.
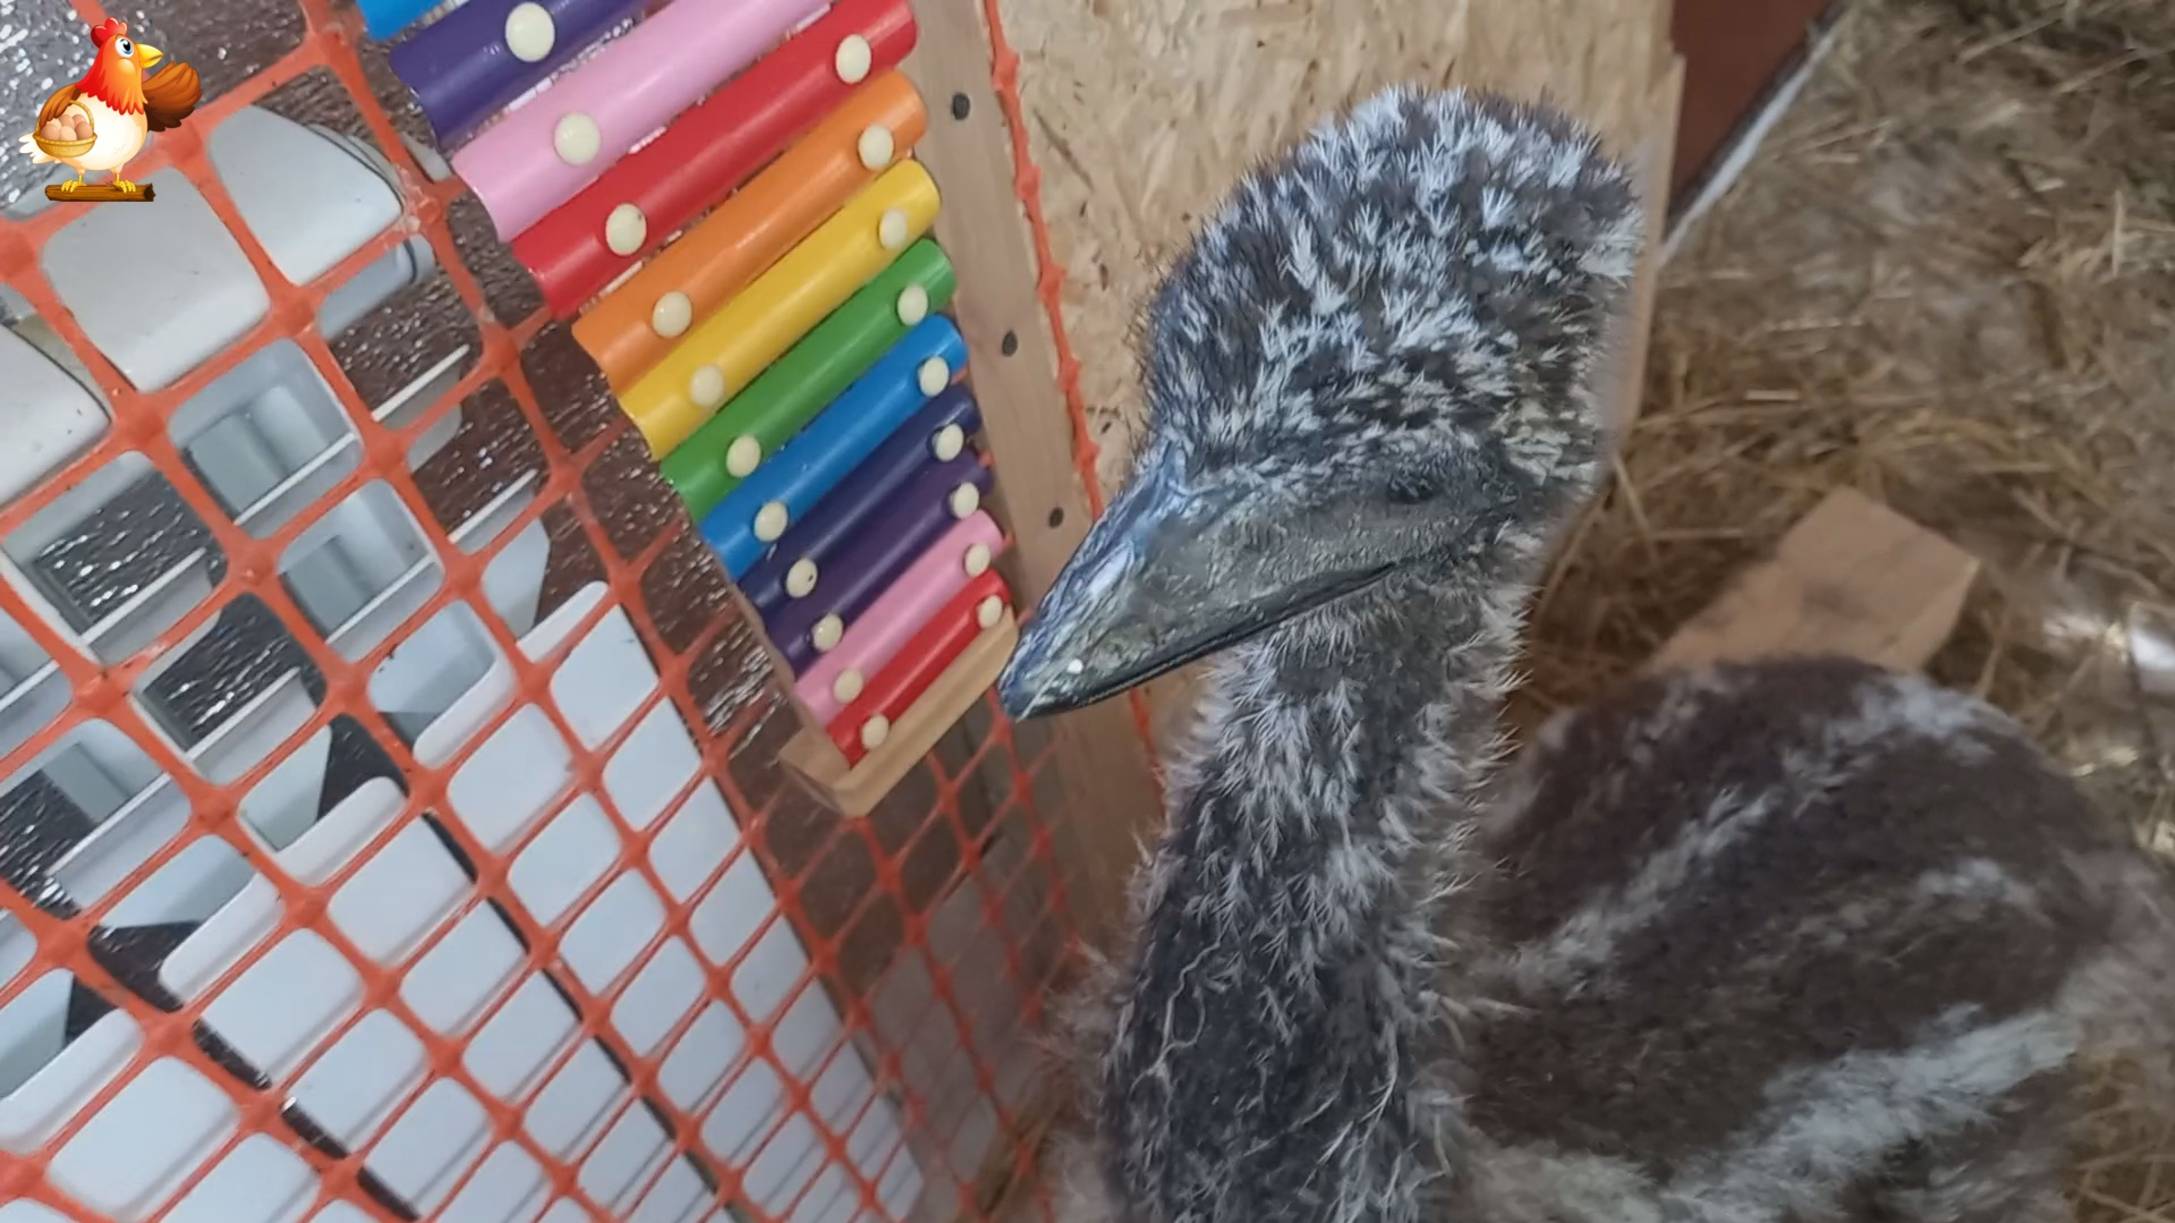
<point>1019,370</point>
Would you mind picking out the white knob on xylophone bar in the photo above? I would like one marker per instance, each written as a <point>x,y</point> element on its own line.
<point>800,580</point>
<point>847,686</point>
<point>530,32</point>
<point>875,146</point>
<point>894,228</point>
<point>933,376</point>
<point>853,59</point>
<point>672,314</point>
<point>706,386</point>
<point>947,443</point>
<point>743,456</point>
<point>575,138</point>
<point>964,500</point>
<point>771,521</point>
<point>625,229</point>
<point>990,612</point>
<point>875,731</point>
<point>824,636</point>
<point>913,304</point>
<point>977,560</point>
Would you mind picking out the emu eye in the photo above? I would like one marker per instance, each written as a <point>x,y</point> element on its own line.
<point>124,48</point>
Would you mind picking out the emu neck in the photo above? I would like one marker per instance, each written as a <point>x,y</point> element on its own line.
<point>1278,1053</point>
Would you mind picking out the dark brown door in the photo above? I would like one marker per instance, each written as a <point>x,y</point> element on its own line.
<point>1737,54</point>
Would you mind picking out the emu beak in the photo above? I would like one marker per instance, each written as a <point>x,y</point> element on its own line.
<point>1169,573</point>
<point>148,56</point>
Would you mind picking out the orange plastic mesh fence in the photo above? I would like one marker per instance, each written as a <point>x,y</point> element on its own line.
<point>428,900</point>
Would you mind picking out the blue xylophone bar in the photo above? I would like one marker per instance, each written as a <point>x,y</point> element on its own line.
<point>938,431</point>
<point>782,491</point>
<point>937,498</point>
<point>384,18</point>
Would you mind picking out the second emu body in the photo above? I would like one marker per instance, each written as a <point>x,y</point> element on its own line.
<point>1796,942</point>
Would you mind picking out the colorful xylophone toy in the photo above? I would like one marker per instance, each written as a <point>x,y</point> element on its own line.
<point>724,198</point>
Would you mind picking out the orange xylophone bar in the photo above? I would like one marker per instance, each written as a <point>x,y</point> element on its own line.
<point>634,325</point>
<point>711,147</point>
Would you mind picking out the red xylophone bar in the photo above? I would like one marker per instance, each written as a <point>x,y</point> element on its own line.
<point>918,664</point>
<point>711,148</point>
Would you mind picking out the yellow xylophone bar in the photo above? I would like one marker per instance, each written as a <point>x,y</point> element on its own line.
<point>633,326</point>
<point>728,349</point>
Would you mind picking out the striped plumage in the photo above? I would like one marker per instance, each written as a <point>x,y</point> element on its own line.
<point>1787,943</point>
<point>1801,940</point>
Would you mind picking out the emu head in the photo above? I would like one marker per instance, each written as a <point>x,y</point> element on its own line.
<point>1371,361</point>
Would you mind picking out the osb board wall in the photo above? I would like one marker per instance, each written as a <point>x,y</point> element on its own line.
<point>1143,112</point>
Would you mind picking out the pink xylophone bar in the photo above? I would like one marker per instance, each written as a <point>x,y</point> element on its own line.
<point>866,722</point>
<point>964,552</point>
<point>712,147</point>
<point>536,157</point>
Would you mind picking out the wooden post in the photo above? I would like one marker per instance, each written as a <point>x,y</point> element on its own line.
<point>1097,790</point>
<point>1625,384</point>
<point>1108,792</point>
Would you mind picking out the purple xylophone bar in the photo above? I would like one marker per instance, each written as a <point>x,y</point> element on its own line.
<point>872,560</point>
<point>936,432</point>
<point>486,53</point>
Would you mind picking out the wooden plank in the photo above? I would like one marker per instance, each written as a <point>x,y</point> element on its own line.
<point>1853,577</point>
<point>1097,794</point>
<point>1106,790</point>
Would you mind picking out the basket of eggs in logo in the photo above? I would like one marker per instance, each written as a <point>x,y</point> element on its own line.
<point>66,135</point>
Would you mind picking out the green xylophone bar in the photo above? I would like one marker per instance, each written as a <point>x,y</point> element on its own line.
<point>785,397</point>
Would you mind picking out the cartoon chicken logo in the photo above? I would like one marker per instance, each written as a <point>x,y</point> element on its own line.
<point>100,122</point>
